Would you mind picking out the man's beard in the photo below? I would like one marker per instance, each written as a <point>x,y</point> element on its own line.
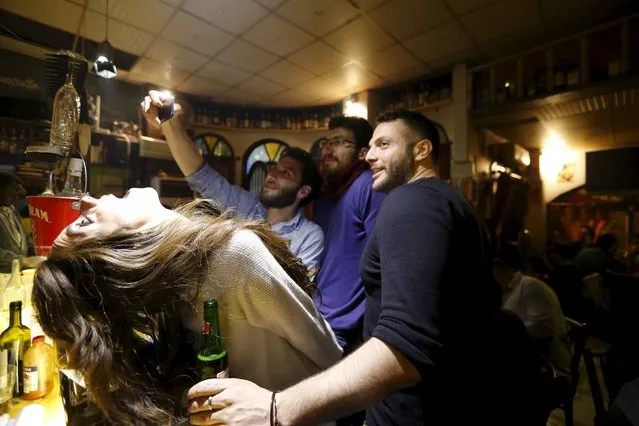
<point>286,197</point>
<point>338,168</point>
<point>399,173</point>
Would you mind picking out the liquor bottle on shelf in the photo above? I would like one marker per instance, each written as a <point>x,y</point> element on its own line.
<point>559,76</point>
<point>15,340</point>
<point>4,140</point>
<point>315,121</point>
<point>13,142</point>
<point>246,124</point>
<point>212,359</point>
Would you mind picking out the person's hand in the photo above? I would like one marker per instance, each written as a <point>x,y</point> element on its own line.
<point>150,106</point>
<point>232,402</point>
<point>32,261</point>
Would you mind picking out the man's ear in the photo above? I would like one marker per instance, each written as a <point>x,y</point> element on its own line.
<point>303,192</point>
<point>422,150</point>
<point>361,154</point>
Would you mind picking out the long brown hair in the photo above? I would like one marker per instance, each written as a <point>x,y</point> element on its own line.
<point>104,298</point>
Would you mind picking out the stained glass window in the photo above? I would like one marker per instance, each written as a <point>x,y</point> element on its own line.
<point>213,144</point>
<point>259,157</point>
<point>267,151</point>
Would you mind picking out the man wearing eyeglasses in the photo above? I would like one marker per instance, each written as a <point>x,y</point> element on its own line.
<point>346,211</point>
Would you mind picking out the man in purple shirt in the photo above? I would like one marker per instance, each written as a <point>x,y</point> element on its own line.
<point>346,211</point>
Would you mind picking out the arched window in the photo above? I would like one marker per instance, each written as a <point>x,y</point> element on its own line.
<point>214,144</point>
<point>258,158</point>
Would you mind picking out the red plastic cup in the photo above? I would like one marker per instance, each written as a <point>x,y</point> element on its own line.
<point>49,216</point>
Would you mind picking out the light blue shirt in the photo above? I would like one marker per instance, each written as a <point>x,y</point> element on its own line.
<point>306,238</point>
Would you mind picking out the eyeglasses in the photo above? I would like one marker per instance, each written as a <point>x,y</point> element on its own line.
<point>336,143</point>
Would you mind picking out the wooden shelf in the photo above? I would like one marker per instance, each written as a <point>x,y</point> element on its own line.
<point>236,129</point>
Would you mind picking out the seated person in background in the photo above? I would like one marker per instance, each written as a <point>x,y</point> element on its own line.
<point>537,305</point>
<point>534,262</point>
<point>124,262</point>
<point>14,240</point>
<point>599,258</point>
<point>290,185</point>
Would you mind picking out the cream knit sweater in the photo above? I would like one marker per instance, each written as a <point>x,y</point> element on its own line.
<point>274,335</point>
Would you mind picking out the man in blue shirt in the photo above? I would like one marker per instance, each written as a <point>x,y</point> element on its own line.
<point>292,183</point>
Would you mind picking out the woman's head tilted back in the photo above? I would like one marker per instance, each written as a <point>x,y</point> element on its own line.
<point>115,281</point>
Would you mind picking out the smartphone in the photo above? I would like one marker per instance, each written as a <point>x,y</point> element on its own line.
<point>166,111</point>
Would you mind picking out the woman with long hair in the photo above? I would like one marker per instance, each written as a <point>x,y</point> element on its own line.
<point>122,293</point>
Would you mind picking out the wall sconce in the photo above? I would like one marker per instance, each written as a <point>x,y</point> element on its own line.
<point>355,109</point>
<point>557,161</point>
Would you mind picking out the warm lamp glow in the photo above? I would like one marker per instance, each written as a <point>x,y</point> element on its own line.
<point>555,155</point>
<point>355,109</point>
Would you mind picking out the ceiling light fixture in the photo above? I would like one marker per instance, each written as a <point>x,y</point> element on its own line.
<point>104,66</point>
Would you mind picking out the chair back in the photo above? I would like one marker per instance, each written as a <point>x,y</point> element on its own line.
<point>576,336</point>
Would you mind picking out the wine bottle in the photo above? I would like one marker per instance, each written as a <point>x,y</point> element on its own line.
<point>212,359</point>
<point>16,340</point>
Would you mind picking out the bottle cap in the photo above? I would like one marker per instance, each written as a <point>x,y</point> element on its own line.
<point>38,339</point>
<point>17,303</point>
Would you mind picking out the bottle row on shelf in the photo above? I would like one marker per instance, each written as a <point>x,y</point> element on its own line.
<point>258,119</point>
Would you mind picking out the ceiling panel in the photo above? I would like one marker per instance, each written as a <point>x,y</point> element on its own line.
<point>319,17</point>
<point>318,58</point>
<point>224,73</point>
<point>269,49</point>
<point>291,97</point>
<point>241,97</point>
<point>489,22</point>
<point>367,5</point>
<point>174,3</point>
<point>359,38</point>
<point>271,4</point>
<point>235,16</point>
<point>287,74</point>
<point>407,74</point>
<point>503,46</point>
<point>56,13</point>
<point>321,88</point>
<point>390,61</point>
<point>201,86</point>
<point>354,78</point>
<point>148,15</point>
<point>406,18</point>
<point>461,7</point>
<point>448,61</point>
<point>248,57</point>
<point>127,38</point>
<point>260,87</point>
<point>430,45</point>
<point>196,34</point>
<point>277,36</point>
<point>164,75</point>
<point>177,56</point>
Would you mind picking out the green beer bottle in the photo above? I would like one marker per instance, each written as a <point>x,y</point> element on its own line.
<point>212,359</point>
<point>15,340</point>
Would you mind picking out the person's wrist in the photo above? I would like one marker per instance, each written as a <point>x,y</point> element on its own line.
<point>283,410</point>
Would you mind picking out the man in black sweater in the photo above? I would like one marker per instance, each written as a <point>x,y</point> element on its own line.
<point>430,298</point>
